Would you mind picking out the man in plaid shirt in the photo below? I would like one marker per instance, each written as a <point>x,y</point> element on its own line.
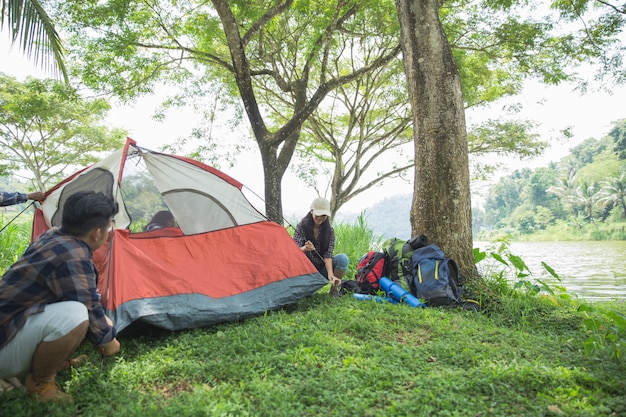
<point>49,299</point>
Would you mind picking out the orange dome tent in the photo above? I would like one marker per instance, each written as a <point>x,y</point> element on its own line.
<point>223,262</point>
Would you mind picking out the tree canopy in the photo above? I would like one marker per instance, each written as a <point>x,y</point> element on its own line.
<point>282,58</point>
<point>46,128</point>
<point>618,133</point>
<point>585,187</point>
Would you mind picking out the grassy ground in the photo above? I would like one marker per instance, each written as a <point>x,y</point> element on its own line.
<point>344,357</point>
<point>523,355</point>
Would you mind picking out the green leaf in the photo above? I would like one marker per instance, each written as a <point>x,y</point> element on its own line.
<point>618,319</point>
<point>518,263</point>
<point>479,255</point>
<point>499,258</point>
<point>550,270</point>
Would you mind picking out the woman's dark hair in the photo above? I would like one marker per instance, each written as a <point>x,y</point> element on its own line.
<point>86,210</point>
<point>324,237</point>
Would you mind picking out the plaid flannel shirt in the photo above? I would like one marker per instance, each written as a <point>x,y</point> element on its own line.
<point>300,237</point>
<point>55,267</point>
<point>9,199</point>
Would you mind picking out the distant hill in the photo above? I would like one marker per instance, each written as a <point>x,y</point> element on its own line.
<point>387,218</point>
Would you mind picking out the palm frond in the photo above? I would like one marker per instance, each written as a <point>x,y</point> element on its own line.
<point>31,27</point>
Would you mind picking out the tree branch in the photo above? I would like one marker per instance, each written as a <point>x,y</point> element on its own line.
<point>623,11</point>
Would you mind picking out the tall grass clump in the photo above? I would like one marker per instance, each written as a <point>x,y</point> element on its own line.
<point>508,277</point>
<point>355,240</point>
<point>14,238</point>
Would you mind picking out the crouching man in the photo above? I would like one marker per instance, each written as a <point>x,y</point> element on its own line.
<point>49,300</point>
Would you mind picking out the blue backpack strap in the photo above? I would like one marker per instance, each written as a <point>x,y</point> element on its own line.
<point>455,280</point>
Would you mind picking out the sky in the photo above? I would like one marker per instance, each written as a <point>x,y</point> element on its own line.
<point>554,108</point>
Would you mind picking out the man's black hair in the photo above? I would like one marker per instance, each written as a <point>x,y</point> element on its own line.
<point>86,210</point>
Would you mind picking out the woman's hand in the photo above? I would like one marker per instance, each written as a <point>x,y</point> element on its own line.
<point>308,246</point>
<point>334,281</point>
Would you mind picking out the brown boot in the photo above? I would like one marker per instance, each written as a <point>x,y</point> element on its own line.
<point>46,390</point>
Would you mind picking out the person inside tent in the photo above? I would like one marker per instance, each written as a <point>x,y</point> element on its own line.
<point>49,300</point>
<point>161,219</point>
<point>316,238</point>
<point>9,199</point>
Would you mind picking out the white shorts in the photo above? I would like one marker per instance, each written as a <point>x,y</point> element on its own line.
<point>56,321</point>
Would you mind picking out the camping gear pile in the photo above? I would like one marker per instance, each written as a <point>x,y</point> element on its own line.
<point>414,272</point>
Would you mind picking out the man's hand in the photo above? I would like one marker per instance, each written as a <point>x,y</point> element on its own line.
<point>36,196</point>
<point>110,348</point>
<point>113,346</point>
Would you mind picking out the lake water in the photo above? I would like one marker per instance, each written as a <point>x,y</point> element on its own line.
<point>590,270</point>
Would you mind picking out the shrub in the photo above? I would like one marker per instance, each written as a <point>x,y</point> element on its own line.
<point>14,239</point>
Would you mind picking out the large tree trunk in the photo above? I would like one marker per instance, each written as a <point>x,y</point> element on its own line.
<point>277,147</point>
<point>272,176</point>
<point>275,163</point>
<point>441,207</point>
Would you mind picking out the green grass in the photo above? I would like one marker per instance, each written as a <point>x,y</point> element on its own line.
<point>523,355</point>
<point>344,357</point>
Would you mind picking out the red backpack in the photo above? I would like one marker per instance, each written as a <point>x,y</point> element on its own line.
<point>370,269</point>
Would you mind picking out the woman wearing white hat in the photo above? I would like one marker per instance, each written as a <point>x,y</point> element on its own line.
<point>316,237</point>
